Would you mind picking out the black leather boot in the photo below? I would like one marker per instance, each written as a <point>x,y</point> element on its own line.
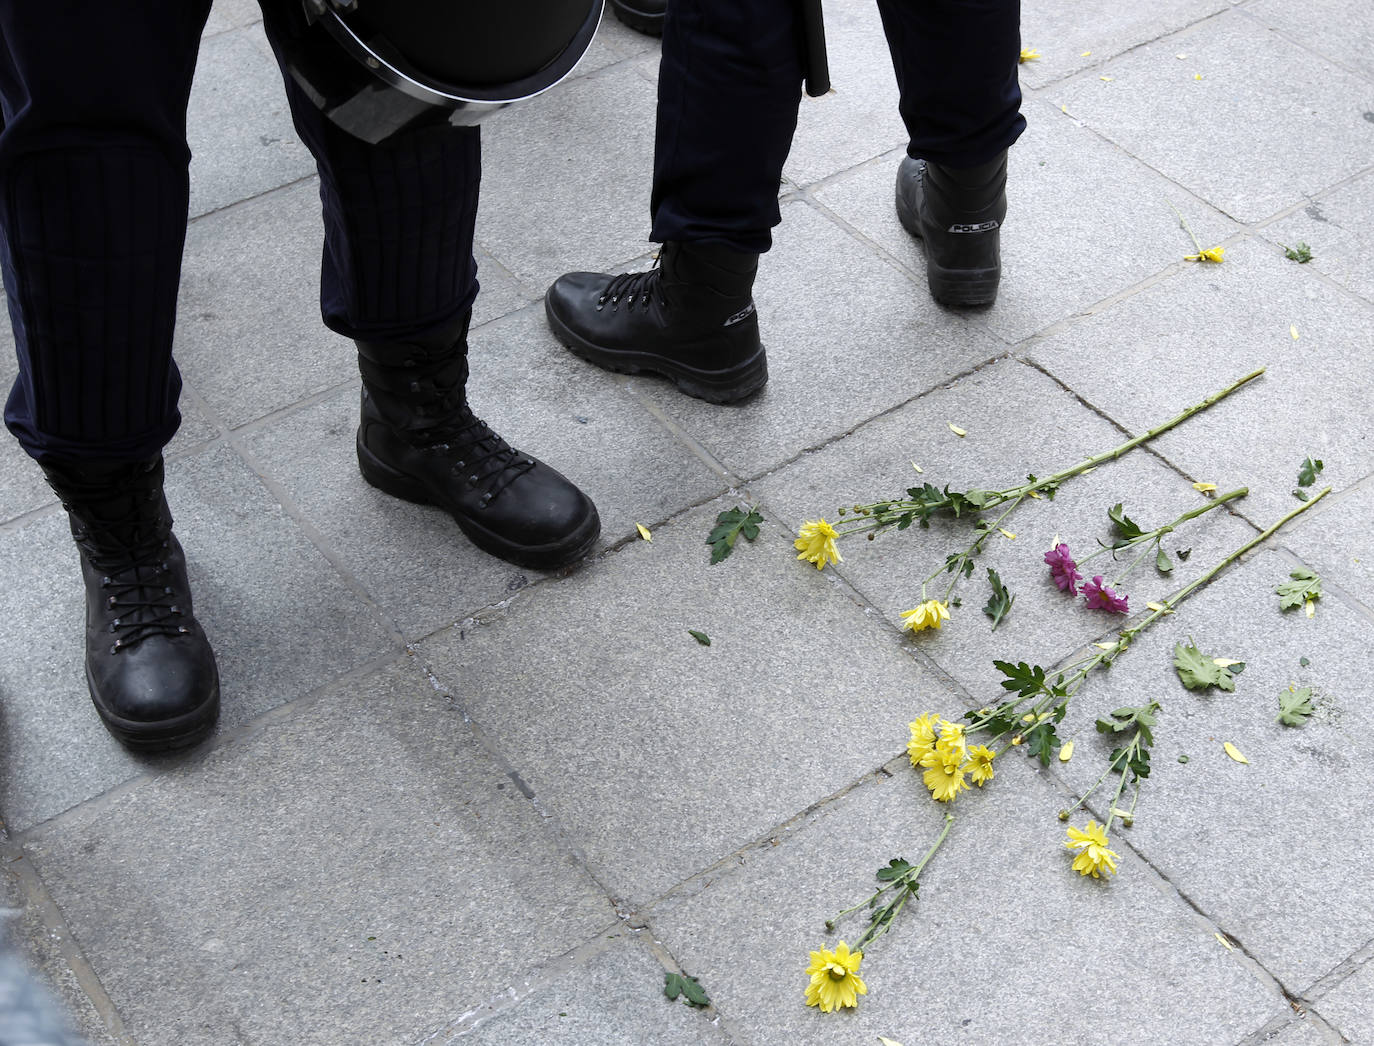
<point>150,669</point>
<point>958,214</point>
<point>418,440</point>
<point>691,319</point>
<point>645,15</point>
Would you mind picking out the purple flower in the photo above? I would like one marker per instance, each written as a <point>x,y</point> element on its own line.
<point>1099,597</point>
<point>1063,569</point>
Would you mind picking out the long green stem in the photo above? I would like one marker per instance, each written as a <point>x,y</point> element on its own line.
<point>881,921</point>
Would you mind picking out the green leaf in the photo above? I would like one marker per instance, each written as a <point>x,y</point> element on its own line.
<point>1304,585</point>
<point>1301,495</point>
<point>700,637</point>
<point>1302,253</point>
<point>894,869</point>
<point>1162,562</point>
<point>1308,471</point>
<point>1001,600</point>
<point>1295,705</point>
<point>1042,742</point>
<point>1303,662</point>
<point>1183,554</point>
<point>1197,671</point>
<point>1027,680</point>
<point>730,524</point>
<point>675,984</point>
<point>1122,523</point>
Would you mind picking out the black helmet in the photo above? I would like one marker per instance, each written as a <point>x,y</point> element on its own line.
<point>374,67</point>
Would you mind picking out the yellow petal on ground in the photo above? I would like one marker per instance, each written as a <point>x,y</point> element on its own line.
<point>1204,488</point>
<point>917,467</point>
<point>1225,662</point>
<point>1086,471</point>
<point>1234,752</point>
<point>1105,646</point>
<point>1224,942</point>
<point>1311,608</point>
<point>1007,533</point>
<point>1085,54</point>
<point>1029,54</point>
<point>956,429</point>
<point>1066,752</point>
<point>1197,76</point>
<point>1156,607</point>
<point>1106,79</point>
<point>1037,496</point>
<point>888,1042</point>
<point>1064,109</point>
<point>1180,57</point>
<point>1293,330</point>
<point>644,532</point>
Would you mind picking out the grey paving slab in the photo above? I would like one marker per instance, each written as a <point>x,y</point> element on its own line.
<point>1350,1005</point>
<point>684,752</point>
<point>500,292</point>
<point>1084,221</point>
<point>249,336</point>
<point>413,559</point>
<point>1199,327</point>
<point>1313,135</point>
<point>858,119</point>
<point>231,14</point>
<point>559,192</point>
<point>623,40</point>
<point>848,335</point>
<point>394,891</point>
<point>1015,419</point>
<point>239,126</point>
<point>1336,228</point>
<point>1303,1031</point>
<point>613,998</point>
<point>1236,838</point>
<point>1071,36</point>
<point>1335,542</point>
<point>280,621</point>
<point>1314,26</point>
<point>1001,919</point>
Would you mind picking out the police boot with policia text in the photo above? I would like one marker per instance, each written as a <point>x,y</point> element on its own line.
<point>957,213</point>
<point>420,441</point>
<point>690,319</point>
<point>149,667</point>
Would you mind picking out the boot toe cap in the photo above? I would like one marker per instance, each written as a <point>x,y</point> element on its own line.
<point>161,693</point>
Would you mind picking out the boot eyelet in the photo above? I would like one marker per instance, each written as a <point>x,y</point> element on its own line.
<point>175,609</point>
<point>182,629</point>
<point>115,649</point>
<point>104,582</point>
<point>114,624</point>
<point>110,602</point>
<point>472,480</point>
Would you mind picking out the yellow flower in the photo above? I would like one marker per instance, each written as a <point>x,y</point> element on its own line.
<point>930,614</point>
<point>816,543</point>
<point>980,759</point>
<point>1093,856</point>
<point>1211,254</point>
<point>835,978</point>
<point>945,774</point>
<point>952,747</point>
<point>922,738</point>
<point>1029,55</point>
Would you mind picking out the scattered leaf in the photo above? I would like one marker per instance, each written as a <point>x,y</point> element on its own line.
<point>1302,253</point>
<point>675,984</point>
<point>730,524</point>
<point>1197,671</point>
<point>1182,758</point>
<point>999,603</point>
<point>1303,662</point>
<point>1066,752</point>
<point>1303,587</point>
<point>644,532</point>
<point>1162,562</point>
<point>1234,752</point>
<point>1295,705</point>
<point>1308,471</point>
<point>956,429</point>
<point>700,637</point>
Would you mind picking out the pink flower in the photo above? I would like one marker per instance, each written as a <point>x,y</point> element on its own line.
<point>1063,569</point>
<point>1099,597</point>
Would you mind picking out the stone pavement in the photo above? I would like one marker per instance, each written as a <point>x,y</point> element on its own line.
<point>452,801</point>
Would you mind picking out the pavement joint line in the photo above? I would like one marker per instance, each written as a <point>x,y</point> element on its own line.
<point>1334,977</point>
<point>1245,12</point>
<point>1272,1029</point>
<point>312,534</point>
<point>60,934</point>
<point>697,448</point>
<point>1313,200</point>
<point>286,411</point>
<point>222,208</point>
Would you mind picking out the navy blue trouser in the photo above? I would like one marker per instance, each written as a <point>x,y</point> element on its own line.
<point>93,205</point>
<point>730,82</point>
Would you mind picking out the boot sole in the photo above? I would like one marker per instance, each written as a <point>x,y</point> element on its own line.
<point>957,287</point>
<point>537,557</point>
<point>167,736</point>
<point>714,386</point>
<point>635,19</point>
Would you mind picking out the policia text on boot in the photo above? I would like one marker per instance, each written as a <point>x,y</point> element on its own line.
<point>93,207</point>
<point>721,143</point>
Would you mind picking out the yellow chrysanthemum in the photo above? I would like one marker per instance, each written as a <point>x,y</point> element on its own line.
<point>980,764</point>
<point>1093,856</point>
<point>1210,254</point>
<point>835,978</point>
<point>1029,54</point>
<point>952,747</point>
<point>945,773</point>
<point>930,614</point>
<point>816,543</point>
<point>922,738</point>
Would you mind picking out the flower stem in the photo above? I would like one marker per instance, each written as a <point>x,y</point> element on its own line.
<point>882,919</point>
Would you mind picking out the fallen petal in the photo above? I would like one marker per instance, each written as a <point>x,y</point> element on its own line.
<point>1234,752</point>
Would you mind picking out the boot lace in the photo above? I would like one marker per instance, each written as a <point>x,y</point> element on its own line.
<point>136,570</point>
<point>490,462</point>
<point>633,287</point>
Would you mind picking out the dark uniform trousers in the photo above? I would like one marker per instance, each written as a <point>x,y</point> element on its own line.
<point>94,194</point>
<point>94,188</point>
<point>730,84</point>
